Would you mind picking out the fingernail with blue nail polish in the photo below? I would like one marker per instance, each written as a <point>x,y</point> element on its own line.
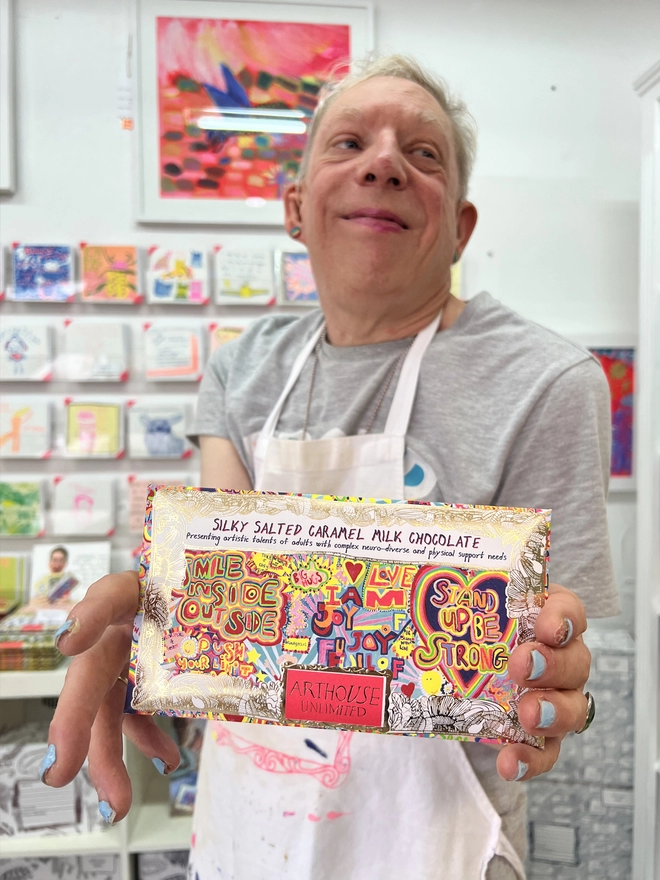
<point>107,812</point>
<point>547,714</point>
<point>161,766</point>
<point>538,666</point>
<point>48,761</point>
<point>565,632</point>
<point>67,626</point>
<point>522,769</point>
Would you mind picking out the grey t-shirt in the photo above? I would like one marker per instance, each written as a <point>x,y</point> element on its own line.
<point>505,413</point>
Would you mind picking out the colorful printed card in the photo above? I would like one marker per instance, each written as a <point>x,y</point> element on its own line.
<point>26,352</point>
<point>21,508</point>
<point>82,504</point>
<point>173,354</point>
<point>177,277</point>
<point>13,580</point>
<point>93,352</point>
<point>94,429</point>
<point>157,429</point>
<point>619,367</point>
<point>219,334</point>
<point>66,571</point>
<point>296,282</point>
<point>388,617</point>
<point>42,273</point>
<point>244,277</point>
<point>109,274</point>
<point>25,424</point>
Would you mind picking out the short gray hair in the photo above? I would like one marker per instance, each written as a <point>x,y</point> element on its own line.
<point>403,67</point>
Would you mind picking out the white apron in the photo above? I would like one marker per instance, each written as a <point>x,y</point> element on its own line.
<point>275,803</point>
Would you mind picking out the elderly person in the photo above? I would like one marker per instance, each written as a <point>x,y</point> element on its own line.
<point>394,389</point>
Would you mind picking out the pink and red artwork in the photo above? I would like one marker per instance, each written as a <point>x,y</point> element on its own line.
<point>619,367</point>
<point>245,72</point>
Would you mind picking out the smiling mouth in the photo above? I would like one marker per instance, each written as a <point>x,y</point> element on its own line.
<point>376,215</point>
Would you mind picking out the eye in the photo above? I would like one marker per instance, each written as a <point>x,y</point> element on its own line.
<point>426,153</point>
<point>347,144</point>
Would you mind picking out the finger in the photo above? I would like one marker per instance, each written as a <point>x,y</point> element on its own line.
<point>561,619</point>
<point>518,761</point>
<point>89,678</point>
<point>106,767</point>
<point>535,665</point>
<point>153,742</point>
<point>111,600</point>
<point>552,713</point>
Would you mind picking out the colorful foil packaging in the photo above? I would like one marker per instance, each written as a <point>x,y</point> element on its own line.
<point>389,617</point>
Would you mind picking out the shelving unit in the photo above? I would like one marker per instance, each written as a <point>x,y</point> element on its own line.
<point>148,826</point>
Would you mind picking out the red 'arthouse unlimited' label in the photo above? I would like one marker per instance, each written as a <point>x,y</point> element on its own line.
<point>333,697</point>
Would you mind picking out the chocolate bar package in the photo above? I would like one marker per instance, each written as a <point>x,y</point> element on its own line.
<point>310,610</point>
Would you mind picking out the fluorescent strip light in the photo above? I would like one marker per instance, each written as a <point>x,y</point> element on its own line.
<point>276,126</point>
<point>256,111</point>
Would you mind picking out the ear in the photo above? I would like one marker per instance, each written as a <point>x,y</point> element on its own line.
<point>466,220</point>
<point>292,213</point>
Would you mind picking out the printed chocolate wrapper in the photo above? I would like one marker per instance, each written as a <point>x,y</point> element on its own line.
<point>310,610</point>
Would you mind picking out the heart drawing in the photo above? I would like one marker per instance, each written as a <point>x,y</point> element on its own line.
<point>354,569</point>
<point>463,624</point>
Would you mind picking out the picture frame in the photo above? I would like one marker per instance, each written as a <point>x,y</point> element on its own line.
<point>295,282</point>
<point>7,100</point>
<point>238,178</point>
<point>616,354</point>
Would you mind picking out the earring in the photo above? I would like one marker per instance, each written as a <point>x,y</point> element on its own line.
<point>456,257</point>
<point>295,232</point>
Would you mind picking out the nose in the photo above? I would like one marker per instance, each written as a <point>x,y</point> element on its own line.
<point>383,164</point>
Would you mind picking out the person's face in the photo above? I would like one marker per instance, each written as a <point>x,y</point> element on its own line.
<point>381,195</point>
<point>57,562</point>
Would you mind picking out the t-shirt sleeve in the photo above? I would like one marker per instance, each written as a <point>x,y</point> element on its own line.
<point>561,460</point>
<point>211,413</point>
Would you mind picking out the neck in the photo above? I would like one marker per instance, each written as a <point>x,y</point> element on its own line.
<point>356,322</point>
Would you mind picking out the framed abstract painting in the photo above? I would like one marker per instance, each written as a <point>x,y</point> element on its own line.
<point>225,93</point>
<point>618,363</point>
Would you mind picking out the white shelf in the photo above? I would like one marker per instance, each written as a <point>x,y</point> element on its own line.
<point>31,684</point>
<point>155,830</point>
<point>23,846</point>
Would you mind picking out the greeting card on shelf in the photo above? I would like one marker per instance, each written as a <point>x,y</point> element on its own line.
<point>13,580</point>
<point>21,508</point>
<point>26,352</point>
<point>219,334</point>
<point>109,274</point>
<point>94,429</point>
<point>354,614</point>
<point>66,570</point>
<point>42,273</point>
<point>173,353</point>
<point>93,352</point>
<point>82,504</point>
<point>25,427</point>
<point>177,277</point>
<point>157,428</point>
<point>296,283</point>
<point>137,490</point>
<point>244,276</point>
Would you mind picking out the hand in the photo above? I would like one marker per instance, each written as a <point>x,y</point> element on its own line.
<point>89,718</point>
<point>557,664</point>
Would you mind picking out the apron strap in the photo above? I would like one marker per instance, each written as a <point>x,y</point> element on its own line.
<point>268,429</point>
<point>404,396</point>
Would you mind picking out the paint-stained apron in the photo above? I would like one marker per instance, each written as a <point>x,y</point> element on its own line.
<point>275,803</point>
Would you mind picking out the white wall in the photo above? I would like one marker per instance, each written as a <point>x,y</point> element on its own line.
<point>557,178</point>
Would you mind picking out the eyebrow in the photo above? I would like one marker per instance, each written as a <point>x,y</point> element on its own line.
<point>356,114</point>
